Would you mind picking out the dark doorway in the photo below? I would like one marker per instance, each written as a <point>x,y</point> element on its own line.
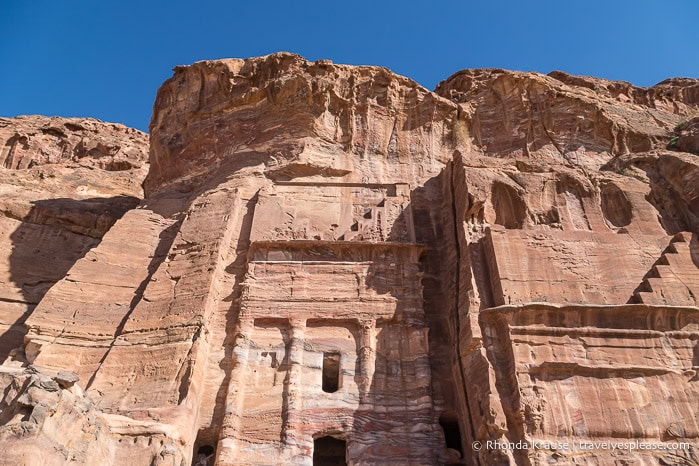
<point>331,372</point>
<point>329,451</point>
<point>205,456</point>
<point>452,433</point>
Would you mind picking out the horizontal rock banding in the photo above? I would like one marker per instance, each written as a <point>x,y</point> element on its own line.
<point>331,261</point>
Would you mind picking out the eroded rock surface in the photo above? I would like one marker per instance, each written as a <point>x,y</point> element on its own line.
<point>44,421</point>
<point>63,184</point>
<point>29,141</point>
<point>333,264</point>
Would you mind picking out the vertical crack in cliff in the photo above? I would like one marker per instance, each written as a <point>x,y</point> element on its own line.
<point>540,116</point>
<point>457,301</point>
<point>188,366</point>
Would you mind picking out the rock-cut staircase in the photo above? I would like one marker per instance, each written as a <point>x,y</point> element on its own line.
<point>674,278</point>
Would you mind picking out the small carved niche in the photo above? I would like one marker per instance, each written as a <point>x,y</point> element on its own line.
<point>329,451</point>
<point>331,372</point>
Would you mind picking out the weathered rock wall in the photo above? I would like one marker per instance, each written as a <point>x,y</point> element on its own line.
<point>63,184</point>
<point>332,263</point>
<point>567,197</point>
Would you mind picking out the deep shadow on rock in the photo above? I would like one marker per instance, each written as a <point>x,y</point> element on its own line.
<point>45,244</point>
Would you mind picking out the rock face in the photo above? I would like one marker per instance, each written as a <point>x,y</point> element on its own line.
<point>63,184</point>
<point>333,265</point>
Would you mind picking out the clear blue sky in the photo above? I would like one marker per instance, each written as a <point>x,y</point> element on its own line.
<point>106,59</point>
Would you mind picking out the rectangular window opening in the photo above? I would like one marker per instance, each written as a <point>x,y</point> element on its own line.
<point>331,372</point>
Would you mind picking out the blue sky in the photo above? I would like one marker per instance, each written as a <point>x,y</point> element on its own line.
<point>106,59</point>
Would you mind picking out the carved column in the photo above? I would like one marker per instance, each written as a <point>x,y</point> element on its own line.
<point>367,356</point>
<point>293,396</point>
<point>226,451</point>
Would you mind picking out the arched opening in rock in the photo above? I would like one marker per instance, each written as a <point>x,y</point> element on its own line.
<point>510,210</point>
<point>329,451</point>
<point>615,206</point>
<point>452,433</point>
<point>331,372</point>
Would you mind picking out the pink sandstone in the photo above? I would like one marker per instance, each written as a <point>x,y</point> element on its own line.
<point>330,264</point>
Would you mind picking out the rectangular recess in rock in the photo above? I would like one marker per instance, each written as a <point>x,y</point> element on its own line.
<point>567,266</point>
<point>331,372</point>
<point>329,451</point>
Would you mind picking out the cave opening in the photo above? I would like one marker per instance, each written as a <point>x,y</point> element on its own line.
<point>205,456</point>
<point>452,433</point>
<point>204,453</point>
<point>331,372</point>
<point>329,451</point>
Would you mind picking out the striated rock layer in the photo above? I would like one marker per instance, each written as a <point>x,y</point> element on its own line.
<point>63,184</point>
<point>333,265</point>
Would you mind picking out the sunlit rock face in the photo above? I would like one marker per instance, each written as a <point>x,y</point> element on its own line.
<point>334,265</point>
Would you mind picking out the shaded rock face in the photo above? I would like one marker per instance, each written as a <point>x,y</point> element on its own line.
<point>332,264</point>
<point>59,194</point>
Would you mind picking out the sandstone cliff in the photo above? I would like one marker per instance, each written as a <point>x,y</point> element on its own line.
<point>64,183</point>
<point>333,264</point>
